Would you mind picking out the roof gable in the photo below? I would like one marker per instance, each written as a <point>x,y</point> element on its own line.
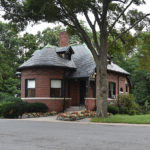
<point>47,57</point>
<point>81,60</point>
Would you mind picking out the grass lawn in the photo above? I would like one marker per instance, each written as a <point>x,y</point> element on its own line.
<point>136,119</point>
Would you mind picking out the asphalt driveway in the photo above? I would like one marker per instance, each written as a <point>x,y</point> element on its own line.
<point>34,135</point>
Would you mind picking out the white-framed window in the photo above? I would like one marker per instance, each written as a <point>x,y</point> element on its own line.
<point>56,88</point>
<point>30,87</point>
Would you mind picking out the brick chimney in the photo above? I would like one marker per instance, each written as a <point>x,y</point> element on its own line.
<point>64,39</point>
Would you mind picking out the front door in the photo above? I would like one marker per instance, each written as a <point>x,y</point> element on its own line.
<point>82,92</point>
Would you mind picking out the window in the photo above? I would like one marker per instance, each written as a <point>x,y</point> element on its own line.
<point>30,88</point>
<point>56,88</point>
<point>112,90</point>
<point>121,90</point>
<point>127,86</point>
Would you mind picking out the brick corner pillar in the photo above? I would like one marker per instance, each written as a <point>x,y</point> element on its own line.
<point>90,104</point>
<point>64,39</point>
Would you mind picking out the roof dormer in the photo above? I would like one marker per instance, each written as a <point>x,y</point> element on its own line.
<point>65,52</point>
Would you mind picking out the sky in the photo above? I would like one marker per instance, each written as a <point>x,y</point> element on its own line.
<point>33,29</point>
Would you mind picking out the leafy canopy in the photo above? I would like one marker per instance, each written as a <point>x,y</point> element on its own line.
<point>110,13</point>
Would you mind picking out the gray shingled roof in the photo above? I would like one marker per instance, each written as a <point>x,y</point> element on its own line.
<point>116,68</point>
<point>86,65</point>
<point>82,61</point>
<point>47,57</point>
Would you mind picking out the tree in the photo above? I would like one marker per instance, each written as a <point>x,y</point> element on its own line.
<point>9,49</point>
<point>14,50</point>
<point>143,48</point>
<point>107,14</point>
<point>49,36</point>
<point>137,62</point>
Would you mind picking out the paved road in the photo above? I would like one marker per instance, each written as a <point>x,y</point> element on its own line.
<point>30,135</point>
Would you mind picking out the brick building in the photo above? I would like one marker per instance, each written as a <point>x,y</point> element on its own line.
<point>64,76</point>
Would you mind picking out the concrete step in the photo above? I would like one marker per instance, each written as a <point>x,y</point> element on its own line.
<point>75,108</point>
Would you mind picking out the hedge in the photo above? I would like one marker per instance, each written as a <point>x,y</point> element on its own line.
<point>16,109</point>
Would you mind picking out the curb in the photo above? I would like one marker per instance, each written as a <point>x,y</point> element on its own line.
<point>80,122</point>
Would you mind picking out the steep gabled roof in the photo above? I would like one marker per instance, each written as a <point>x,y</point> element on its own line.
<point>47,57</point>
<point>115,68</point>
<point>86,65</point>
<point>82,61</point>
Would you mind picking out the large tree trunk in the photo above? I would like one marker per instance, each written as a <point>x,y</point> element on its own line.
<point>101,66</point>
<point>101,88</point>
<point>101,79</point>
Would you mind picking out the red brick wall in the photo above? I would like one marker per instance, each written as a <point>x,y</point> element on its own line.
<point>42,77</point>
<point>113,77</point>
<point>90,103</point>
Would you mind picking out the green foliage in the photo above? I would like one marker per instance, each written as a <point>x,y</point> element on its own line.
<point>5,97</point>
<point>64,11</point>
<point>107,14</point>
<point>123,110</point>
<point>15,109</point>
<point>12,109</point>
<point>15,49</point>
<point>8,59</point>
<point>113,109</point>
<point>145,108</point>
<point>141,86</point>
<point>36,107</point>
<point>124,45</point>
<point>136,119</point>
<point>137,63</point>
<point>127,104</point>
<point>49,36</point>
<point>27,45</point>
<point>144,51</point>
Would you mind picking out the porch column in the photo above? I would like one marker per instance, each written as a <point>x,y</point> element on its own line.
<point>87,88</point>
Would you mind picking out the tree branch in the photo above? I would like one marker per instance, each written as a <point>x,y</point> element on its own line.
<point>79,28</point>
<point>119,1</point>
<point>112,26</point>
<point>97,18</point>
<point>93,29</point>
<point>128,29</point>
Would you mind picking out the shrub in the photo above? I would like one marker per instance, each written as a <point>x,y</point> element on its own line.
<point>127,104</point>
<point>113,109</point>
<point>132,112</point>
<point>12,109</point>
<point>4,97</point>
<point>16,109</point>
<point>123,110</point>
<point>145,108</point>
<point>36,107</point>
<point>0,110</point>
